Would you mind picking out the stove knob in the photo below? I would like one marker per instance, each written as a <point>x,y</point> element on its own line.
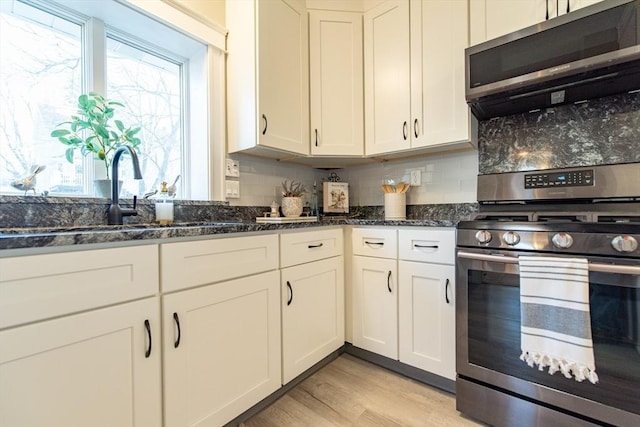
<point>483,236</point>
<point>624,243</point>
<point>562,240</point>
<point>511,238</point>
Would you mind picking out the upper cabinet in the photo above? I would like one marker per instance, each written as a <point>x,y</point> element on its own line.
<point>268,77</point>
<point>495,18</point>
<point>414,80</point>
<point>335,57</point>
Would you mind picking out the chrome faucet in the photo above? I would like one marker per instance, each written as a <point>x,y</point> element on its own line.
<point>116,213</point>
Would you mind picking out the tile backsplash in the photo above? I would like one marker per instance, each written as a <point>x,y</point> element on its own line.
<point>600,131</point>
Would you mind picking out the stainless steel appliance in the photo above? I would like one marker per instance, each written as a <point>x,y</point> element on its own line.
<point>589,53</point>
<point>597,217</point>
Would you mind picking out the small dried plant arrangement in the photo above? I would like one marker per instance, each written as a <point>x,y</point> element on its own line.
<point>293,189</point>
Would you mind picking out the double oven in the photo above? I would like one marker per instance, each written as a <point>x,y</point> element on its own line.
<point>591,213</point>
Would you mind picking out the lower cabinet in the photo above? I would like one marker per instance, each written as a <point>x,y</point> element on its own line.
<point>427,317</point>
<point>375,305</point>
<point>312,314</point>
<point>97,368</point>
<point>221,349</point>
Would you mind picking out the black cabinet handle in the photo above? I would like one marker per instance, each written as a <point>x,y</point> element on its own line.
<point>568,6</point>
<point>319,245</point>
<point>446,291</point>
<point>316,137</point>
<point>177,320</point>
<point>389,281</point>
<point>415,127</point>
<point>425,246</point>
<point>264,131</point>
<point>290,293</point>
<point>404,130</point>
<point>374,243</point>
<point>546,17</point>
<point>148,328</point>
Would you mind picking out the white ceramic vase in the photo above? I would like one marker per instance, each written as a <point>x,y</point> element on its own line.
<point>292,206</point>
<point>102,187</point>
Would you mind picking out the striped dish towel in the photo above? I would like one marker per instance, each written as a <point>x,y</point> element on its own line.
<point>555,326</point>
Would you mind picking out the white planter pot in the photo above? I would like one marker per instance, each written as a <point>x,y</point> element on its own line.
<point>292,206</point>
<point>102,187</point>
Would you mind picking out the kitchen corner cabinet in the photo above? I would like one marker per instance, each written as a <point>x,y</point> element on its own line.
<point>73,350</point>
<point>221,329</point>
<point>312,292</point>
<point>414,82</point>
<point>268,76</point>
<point>375,290</point>
<point>336,75</point>
<point>427,300</point>
<point>494,18</point>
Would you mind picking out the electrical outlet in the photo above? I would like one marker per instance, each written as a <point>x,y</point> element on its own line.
<point>233,168</point>
<point>416,178</point>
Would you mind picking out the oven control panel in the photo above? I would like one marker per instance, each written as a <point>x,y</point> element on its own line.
<point>574,178</point>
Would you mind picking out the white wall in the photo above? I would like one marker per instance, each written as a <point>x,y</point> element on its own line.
<point>448,178</point>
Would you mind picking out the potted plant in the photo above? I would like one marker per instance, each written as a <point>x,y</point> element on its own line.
<point>93,129</point>
<point>292,198</point>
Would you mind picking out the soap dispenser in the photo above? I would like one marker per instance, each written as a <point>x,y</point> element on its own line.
<point>164,206</point>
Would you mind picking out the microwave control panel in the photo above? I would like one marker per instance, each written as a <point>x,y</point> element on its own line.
<point>575,178</point>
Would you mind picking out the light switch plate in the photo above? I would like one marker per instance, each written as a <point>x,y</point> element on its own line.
<point>232,189</point>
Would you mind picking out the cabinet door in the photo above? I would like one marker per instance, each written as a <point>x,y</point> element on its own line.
<point>495,18</point>
<point>312,314</point>
<point>439,113</point>
<point>335,57</point>
<point>89,369</point>
<point>427,317</point>
<point>221,349</point>
<point>387,77</point>
<point>375,305</point>
<point>283,81</point>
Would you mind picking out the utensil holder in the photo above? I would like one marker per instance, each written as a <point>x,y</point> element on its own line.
<point>395,206</point>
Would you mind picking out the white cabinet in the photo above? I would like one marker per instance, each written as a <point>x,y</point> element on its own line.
<point>98,367</point>
<point>268,76</point>
<point>221,349</point>
<point>387,77</point>
<point>427,300</point>
<point>221,338</point>
<point>312,292</point>
<point>414,82</point>
<point>336,74</point>
<point>439,35</point>
<point>495,18</point>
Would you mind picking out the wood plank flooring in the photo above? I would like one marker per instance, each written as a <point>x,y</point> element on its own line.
<point>352,392</point>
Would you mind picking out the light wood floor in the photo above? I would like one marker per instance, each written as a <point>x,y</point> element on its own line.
<point>352,392</point>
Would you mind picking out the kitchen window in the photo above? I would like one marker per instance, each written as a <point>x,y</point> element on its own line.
<point>50,52</point>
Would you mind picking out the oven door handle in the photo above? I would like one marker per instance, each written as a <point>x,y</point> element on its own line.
<point>596,267</point>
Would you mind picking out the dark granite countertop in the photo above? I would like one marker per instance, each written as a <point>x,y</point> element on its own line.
<point>35,237</point>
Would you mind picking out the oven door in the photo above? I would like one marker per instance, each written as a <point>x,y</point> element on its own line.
<point>488,337</point>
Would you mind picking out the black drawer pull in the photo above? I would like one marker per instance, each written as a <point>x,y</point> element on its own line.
<point>374,243</point>
<point>425,246</point>
<point>148,328</point>
<point>319,245</point>
<point>177,320</point>
<point>290,293</point>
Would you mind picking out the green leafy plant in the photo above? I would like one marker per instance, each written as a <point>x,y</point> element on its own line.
<point>93,129</point>
<point>293,189</point>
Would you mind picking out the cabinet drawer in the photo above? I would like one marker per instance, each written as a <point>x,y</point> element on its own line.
<point>428,245</point>
<point>307,246</point>
<point>188,264</point>
<point>42,286</point>
<point>375,242</point>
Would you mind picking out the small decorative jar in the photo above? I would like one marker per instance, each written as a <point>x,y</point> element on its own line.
<point>292,206</point>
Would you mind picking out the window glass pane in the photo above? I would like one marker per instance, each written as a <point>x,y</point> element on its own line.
<point>40,79</point>
<point>150,88</point>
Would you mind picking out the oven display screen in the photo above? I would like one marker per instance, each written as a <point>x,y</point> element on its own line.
<point>577,178</point>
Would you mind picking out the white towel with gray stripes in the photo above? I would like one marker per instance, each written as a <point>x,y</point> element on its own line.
<point>555,317</point>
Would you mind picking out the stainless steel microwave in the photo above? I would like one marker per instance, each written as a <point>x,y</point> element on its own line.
<point>589,53</point>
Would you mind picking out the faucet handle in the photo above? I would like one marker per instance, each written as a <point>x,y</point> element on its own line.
<point>135,201</point>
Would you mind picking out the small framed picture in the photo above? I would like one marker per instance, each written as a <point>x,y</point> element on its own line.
<point>335,197</point>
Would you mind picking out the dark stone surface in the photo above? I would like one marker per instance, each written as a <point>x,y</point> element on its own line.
<point>601,131</point>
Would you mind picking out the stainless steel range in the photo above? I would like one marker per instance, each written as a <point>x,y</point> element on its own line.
<point>590,213</point>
